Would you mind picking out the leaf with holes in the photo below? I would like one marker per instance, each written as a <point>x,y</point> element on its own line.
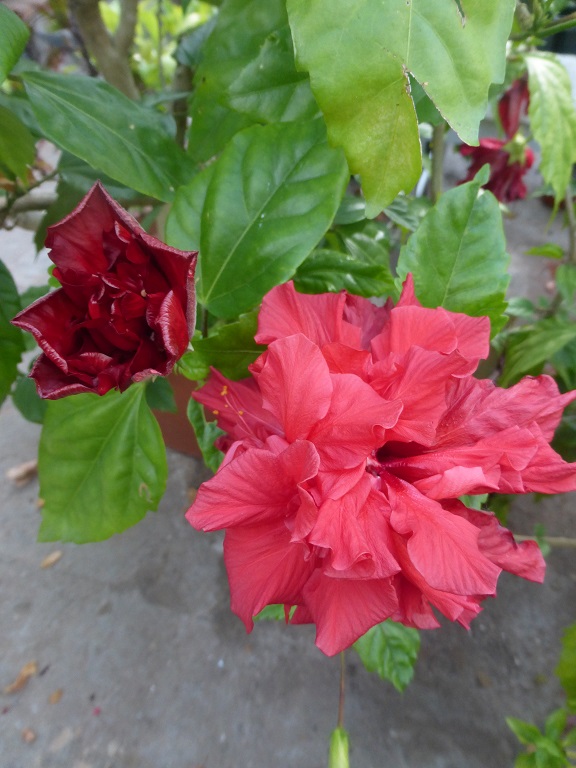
<point>109,475</point>
<point>273,195</point>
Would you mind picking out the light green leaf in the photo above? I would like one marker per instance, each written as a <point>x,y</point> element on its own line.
<point>527,350</point>
<point>13,36</point>
<point>334,271</point>
<point>184,220</point>
<point>230,348</point>
<point>98,124</point>
<point>547,250</point>
<point>26,399</point>
<point>104,479</point>
<point>338,756</point>
<point>17,146</point>
<point>566,669</point>
<point>556,722</point>
<point>458,255</point>
<point>526,733</point>
<point>269,89</point>
<point>359,53</point>
<point>206,433</point>
<point>552,119</point>
<point>390,650</point>
<point>11,338</point>
<point>274,193</point>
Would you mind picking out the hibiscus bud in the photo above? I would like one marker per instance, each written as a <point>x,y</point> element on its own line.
<point>339,749</point>
<point>126,307</point>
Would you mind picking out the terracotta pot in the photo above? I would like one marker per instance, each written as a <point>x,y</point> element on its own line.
<point>176,429</point>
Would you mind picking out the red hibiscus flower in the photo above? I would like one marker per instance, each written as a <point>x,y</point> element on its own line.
<point>506,174</point>
<point>126,307</point>
<point>348,451</point>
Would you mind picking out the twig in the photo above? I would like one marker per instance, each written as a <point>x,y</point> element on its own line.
<point>342,689</point>
<point>124,37</point>
<point>437,176</point>
<point>553,541</point>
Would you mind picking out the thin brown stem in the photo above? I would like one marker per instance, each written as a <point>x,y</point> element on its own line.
<point>342,689</point>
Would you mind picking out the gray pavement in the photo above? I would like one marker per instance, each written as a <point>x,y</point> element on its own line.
<point>142,665</point>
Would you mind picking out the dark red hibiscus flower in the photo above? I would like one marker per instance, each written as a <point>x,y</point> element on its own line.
<point>348,450</point>
<point>509,160</point>
<point>126,307</point>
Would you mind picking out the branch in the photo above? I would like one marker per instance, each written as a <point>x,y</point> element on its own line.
<point>124,36</point>
<point>111,63</point>
<point>554,541</point>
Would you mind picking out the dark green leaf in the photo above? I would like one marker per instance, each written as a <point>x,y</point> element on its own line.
<point>206,433</point>
<point>566,282</point>
<point>565,436</point>
<point>190,47</point>
<point>13,37</point>
<point>527,351</point>
<point>25,398</point>
<point>407,212</point>
<point>566,669</point>
<point>17,147</point>
<point>458,255</point>
<point>230,348</point>
<point>192,366</point>
<point>100,125</point>
<point>184,220</point>
<point>274,192</point>
<point>526,733</point>
<point>425,109</point>
<point>11,338</point>
<point>159,395</point>
<point>33,293</point>
<point>102,465</point>
<point>390,650</point>
<point>352,210</point>
<point>67,198</point>
<point>333,271</point>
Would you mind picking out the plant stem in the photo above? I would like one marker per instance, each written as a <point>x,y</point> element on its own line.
<point>204,322</point>
<point>437,177</point>
<point>554,541</point>
<point>342,689</point>
<point>567,23</point>
<point>569,203</point>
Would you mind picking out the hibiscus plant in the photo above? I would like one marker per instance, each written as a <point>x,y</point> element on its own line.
<point>290,250</point>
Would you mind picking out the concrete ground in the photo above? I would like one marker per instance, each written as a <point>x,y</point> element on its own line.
<point>141,664</point>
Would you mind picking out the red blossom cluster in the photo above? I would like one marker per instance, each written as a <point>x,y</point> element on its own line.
<point>346,454</point>
<point>126,307</point>
<point>509,159</point>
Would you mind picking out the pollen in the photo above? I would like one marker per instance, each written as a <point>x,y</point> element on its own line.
<point>240,413</point>
<point>215,413</point>
<point>224,390</point>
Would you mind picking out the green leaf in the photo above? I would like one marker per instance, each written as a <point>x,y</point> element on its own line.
<point>206,433</point>
<point>185,217</point>
<point>425,109</point>
<point>334,271</point>
<point>525,760</point>
<point>552,119</point>
<point>160,396</point>
<point>352,210</point>
<point>13,37</point>
<point>26,399</point>
<point>566,669</point>
<point>230,348</point>
<point>100,125</point>
<point>547,250</point>
<point>390,650</point>
<point>556,722</point>
<point>17,146</point>
<point>104,479</point>
<point>526,733</point>
<point>271,613</point>
<point>339,749</point>
<point>564,441</point>
<point>407,212</point>
<point>11,338</point>
<point>269,89</point>
<point>528,350</point>
<point>359,53</point>
<point>458,255</point>
<point>274,193</point>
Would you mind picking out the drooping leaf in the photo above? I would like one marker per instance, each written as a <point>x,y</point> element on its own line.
<point>160,396</point>
<point>552,119</point>
<point>206,433</point>
<point>13,37</point>
<point>274,192</point>
<point>25,398</point>
<point>97,123</point>
<point>185,218</point>
<point>566,669</point>
<point>17,147</point>
<point>527,350</point>
<point>230,348</point>
<point>102,465</point>
<point>458,254</point>
<point>11,338</point>
<point>269,89</point>
<point>359,53</point>
<point>390,650</point>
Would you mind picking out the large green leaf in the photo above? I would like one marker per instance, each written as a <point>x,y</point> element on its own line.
<point>566,669</point>
<point>359,54</point>
<point>185,217</point>
<point>100,125</point>
<point>230,348</point>
<point>390,650</point>
<point>458,254</point>
<point>552,119</point>
<point>17,147</point>
<point>528,350</point>
<point>326,270</point>
<point>13,36</point>
<point>26,399</point>
<point>102,465</point>
<point>274,193</point>
<point>11,338</point>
